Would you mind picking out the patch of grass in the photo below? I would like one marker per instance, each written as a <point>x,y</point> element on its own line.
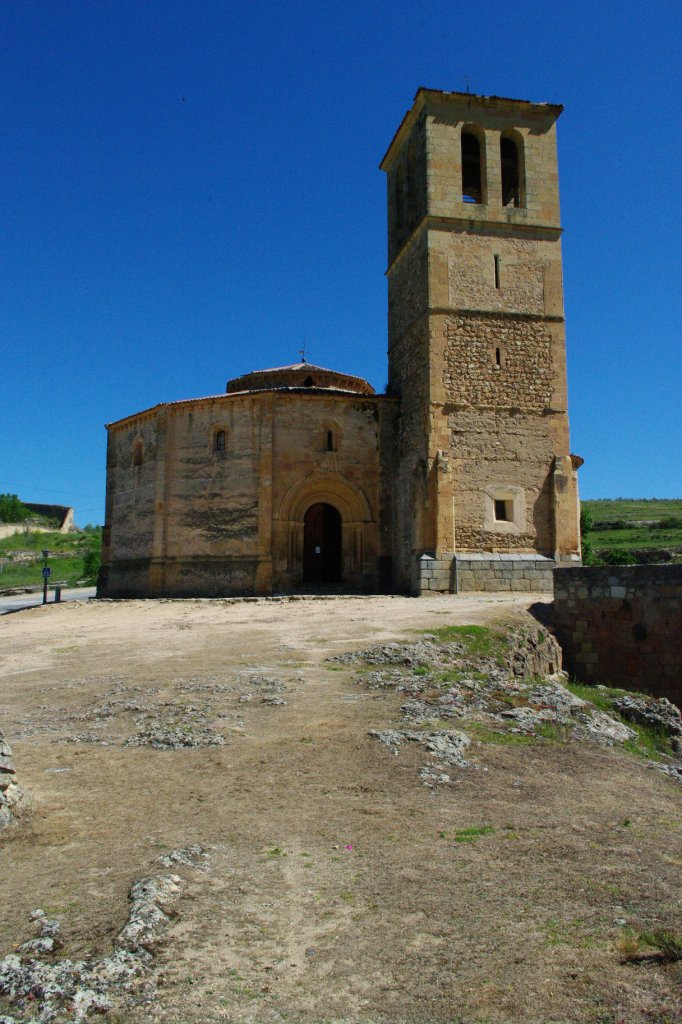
<point>569,933</point>
<point>468,835</point>
<point>434,723</point>
<point>276,851</point>
<point>420,671</point>
<point>600,696</point>
<point>456,675</point>
<point>666,942</point>
<point>478,641</point>
<point>484,734</point>
<point>650,743</point>
<point>627,942</point>
<point>552,731</point>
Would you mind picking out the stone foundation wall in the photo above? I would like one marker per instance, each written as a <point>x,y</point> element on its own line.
<point>485,572</point>
<point>622,626</point>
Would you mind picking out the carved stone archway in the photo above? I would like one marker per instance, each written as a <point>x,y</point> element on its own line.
<point>356,515</point>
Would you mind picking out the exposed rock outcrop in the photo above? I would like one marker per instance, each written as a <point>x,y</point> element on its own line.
<point>13,800</point>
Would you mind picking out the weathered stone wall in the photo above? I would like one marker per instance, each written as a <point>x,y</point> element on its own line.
<point>493,450</point>
<point>484,279</point>
<point>471,376</point>
<point>526,268</point>
<point>408,290</point>
<point>187,517</point>
<point>409,380</point>
<point>621,626</point>
<point>407,186</point>
<point>63,515</point>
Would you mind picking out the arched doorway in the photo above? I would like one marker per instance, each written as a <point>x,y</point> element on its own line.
<point>322,544</point>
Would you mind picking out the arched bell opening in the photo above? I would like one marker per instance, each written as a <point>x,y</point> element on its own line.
<point>322,544</point>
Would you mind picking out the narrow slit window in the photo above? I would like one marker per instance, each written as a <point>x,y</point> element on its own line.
<point>138,453</point>
<point>498,357</point>
<point>330,440</point>
<point>497,270</point>
<point>219,443</point>
<point>511,178</point>
<point>502,510</point>
<point>471,169</point>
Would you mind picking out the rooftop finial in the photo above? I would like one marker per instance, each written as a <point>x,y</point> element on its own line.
<point>302,353</point>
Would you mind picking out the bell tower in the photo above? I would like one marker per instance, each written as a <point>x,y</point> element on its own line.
<point>485,488</point>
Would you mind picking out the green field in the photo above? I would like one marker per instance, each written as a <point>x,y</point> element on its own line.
<point>627,525</point>
<point>73,558</point>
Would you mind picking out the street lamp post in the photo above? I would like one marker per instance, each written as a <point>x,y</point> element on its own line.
<point>46,576</point>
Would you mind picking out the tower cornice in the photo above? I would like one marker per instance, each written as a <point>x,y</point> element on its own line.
<point>424,96</point>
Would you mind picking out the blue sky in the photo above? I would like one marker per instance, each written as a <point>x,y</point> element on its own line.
<point>191,191</point>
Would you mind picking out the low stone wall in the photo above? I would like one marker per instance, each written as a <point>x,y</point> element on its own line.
<point>621,625</point>
<point>60,513</point>
<point>484,572</point>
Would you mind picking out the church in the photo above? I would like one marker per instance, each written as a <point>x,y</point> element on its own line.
<point>301,479</point>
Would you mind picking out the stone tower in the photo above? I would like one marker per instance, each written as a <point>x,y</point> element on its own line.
<point>484,486</point>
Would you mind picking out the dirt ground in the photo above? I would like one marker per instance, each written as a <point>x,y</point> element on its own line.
<point>333,890</point>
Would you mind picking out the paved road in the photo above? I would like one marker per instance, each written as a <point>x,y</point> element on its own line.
<point>19,601</point>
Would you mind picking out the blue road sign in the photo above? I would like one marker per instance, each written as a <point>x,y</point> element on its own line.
<point>46,571</point>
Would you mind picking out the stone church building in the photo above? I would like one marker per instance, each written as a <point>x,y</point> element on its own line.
<point>460,477</point>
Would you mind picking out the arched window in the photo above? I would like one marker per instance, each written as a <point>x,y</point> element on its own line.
<point>331,436</point>
<point>512,176</point>
<point>309,382</point>
<point>138,452</point>
<point>219,441</point>
<point>472,191</point>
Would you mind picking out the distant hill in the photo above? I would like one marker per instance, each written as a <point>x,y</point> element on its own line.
<point>635,529</point>
<point>73,557</point>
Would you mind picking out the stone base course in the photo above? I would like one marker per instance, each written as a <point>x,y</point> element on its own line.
<point>484,571</point>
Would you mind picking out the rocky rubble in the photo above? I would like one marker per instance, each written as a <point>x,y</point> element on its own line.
<point>658,714</point>
<point>185,713</point>
<point>161,736</point>
<point>445,745</point>
<point>12,798</point>
<point>441,681</point>
<point>418,654</point>
<point>48,991</point>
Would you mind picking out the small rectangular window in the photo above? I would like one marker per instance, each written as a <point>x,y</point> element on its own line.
<point>502,510</point>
